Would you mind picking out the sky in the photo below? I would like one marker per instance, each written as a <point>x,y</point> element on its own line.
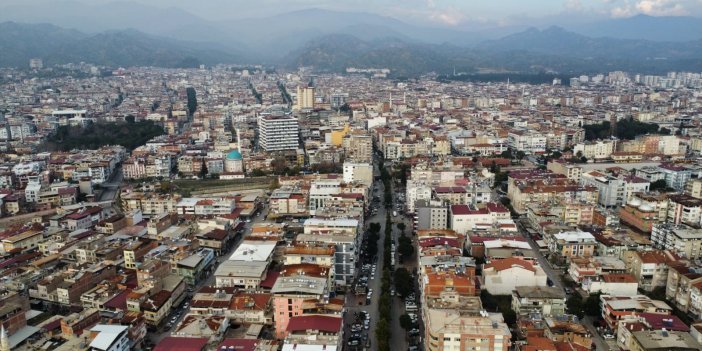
<point>444,13</point>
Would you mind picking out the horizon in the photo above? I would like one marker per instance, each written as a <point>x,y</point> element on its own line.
<point>451,14</point>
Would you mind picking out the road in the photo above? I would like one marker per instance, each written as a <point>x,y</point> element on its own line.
<point>556,276</point>
<point>110,189</point>
<point>162,331</point>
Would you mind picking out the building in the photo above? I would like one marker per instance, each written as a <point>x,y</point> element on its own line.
<point>611,190</point>
<point>624,308</point>
<point>304,98</point>
<point>448,329</point>
<point>501,277</point>
<point>109,338</point>
<point>682,240</point>
<point>529,142</point>
<point>278,133</point>
<point>650,268</point>
<point>572,244</point>
<point>675,176</point>
<point>596,150</point>
<point>611,284</point>
<point>431,215</point>
<point>234,162</point>
<point>543,301</point>
<point>660,340</point>
<point>683,208</point>
<point>36,63</point>
<point>358,173</point>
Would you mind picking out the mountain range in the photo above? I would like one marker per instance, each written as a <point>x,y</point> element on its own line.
<point>128,34</point>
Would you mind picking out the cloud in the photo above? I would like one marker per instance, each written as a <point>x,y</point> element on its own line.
<point>649,7</point>
<point>447,17</point>
<point>573,5</point>
<point>661,8</point>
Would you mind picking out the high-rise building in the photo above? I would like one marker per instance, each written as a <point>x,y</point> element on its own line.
<point>36,63</point>
<point>277,133</point>
<point>305,98</point>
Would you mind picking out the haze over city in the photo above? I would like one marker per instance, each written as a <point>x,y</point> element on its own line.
<point>311,175</point>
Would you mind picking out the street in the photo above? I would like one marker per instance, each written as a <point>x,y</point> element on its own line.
<point>162,331</point>
<point>556,276</point>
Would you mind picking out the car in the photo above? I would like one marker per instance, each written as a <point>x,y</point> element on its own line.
<point>353,343</point>
<point>366,327</point>
<point>608,336</point>
<point>568,290</point>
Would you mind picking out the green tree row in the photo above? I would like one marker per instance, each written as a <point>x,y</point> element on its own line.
<point>93,136</point>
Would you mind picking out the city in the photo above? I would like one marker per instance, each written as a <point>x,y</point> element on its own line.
<point>260,207</point>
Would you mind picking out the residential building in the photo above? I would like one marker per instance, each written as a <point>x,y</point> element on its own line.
<point>278,133</point>
<point>501,277</point>
<point>542,301</point>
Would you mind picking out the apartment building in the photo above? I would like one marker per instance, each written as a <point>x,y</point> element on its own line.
<point>527,141</point>
<point>595,150</point>
<point>682,240</point>
<point>278,133</point>
<point>431,215</point>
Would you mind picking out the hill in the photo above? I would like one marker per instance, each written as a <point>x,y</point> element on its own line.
<point>19,42</point>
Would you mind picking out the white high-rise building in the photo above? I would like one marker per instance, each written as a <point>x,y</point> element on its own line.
<point>276,133</point>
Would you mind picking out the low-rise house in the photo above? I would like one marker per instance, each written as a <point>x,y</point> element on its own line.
<point>542,301</point>
<point>501,277</point>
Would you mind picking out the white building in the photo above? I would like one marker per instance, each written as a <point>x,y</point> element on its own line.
<point>277,133</point>
<point>526,141</point>
<point>501,277</point>
<point>110,338</point>
<point>597,150</point>
<point>682,240</point>
<point>358,172</point>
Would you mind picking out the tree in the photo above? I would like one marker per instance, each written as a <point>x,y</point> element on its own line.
<point>129,119</point>
<point>203,169</point>
<point>382,335</point>
<point>520,155</point>
<point>575,305</point>
<point>401,226</point>
<point>258,173</point>
<point>488,300</point>
<point>279,165</point>
<point>192,100</point>
<point>275,184</point>
<point>591,307</point>
<point>403,282</point>
<point>556,155</point>
<point>658,185</point>
<point>374,227</point>
<point>510,317</point>
<point>405,247</point>
<point>406,322</point>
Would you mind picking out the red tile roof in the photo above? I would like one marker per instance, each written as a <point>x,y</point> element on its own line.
<point>660,321</point>
<point>174,343</point>
<point>329,324</point>
<point>119,301</point>
<point>460,209</point>
<point>507,263</point>
<point>430,242</point>
<point>271,278</point>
